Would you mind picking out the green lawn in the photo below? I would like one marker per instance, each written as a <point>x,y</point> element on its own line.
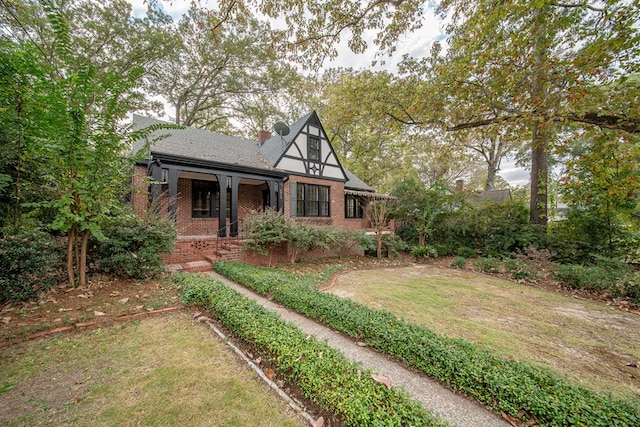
<point>165,371</point>
<point>589,342</point>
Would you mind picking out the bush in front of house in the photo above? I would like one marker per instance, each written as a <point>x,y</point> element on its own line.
<point>423,252</point>
<point>30,262</point>
<point>518,389</point>
<point>134,246</point>
<point>322,373</point>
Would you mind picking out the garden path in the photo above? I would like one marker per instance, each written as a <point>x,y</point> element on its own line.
<point>456,408</point>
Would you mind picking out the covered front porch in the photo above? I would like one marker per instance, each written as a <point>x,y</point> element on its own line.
<point>205,198</point>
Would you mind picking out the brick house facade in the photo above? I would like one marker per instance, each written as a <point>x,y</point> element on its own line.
<point>210,182</point>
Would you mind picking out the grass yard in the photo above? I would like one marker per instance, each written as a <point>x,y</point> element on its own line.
<point>591,343</point>
<point>162,371</point>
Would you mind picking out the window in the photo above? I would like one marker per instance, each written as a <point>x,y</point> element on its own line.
<point>314,149</point>
<point>202,194</point>
<point>312,200</point>
<point>353,207</point>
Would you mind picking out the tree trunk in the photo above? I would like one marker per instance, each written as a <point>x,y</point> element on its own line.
<point>82,267</point>
<point>379,237</point>
<point>539,176</point>
<point>491,177</point>
<point>539,130</point>
<point>71,239</point>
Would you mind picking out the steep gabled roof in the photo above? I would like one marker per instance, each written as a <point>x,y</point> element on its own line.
<point>201,145</point>
<point>273,148</point>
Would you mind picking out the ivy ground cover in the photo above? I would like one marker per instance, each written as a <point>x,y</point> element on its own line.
<point>518,389</point>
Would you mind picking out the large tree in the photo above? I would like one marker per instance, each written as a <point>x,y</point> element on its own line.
<point>516,63</point>
<point>70,115</point>
<point>224,74</point>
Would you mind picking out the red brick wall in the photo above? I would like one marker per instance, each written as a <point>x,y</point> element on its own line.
<point>140,194</point>
<point>336,208</point>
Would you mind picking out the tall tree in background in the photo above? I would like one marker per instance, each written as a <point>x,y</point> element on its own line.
<point>531,65</point>
<point>534,67</point>
<point>224,73</point>
<point>70,118</point>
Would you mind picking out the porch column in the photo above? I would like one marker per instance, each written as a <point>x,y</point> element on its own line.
<point>173,193</point>
<point>235,183</point>
<point>281,196</point>
<point>156,188</point>
<point>222,212</point>
<point>273,188</point>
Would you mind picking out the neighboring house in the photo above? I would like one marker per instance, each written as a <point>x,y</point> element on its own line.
<point>210,182</point>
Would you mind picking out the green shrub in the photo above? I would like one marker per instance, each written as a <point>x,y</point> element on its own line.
<point>520,270</point>
<point>459,262</point>
<point>608,275</point>
<point>488,264</point>
<point>134,246</point>
<point>582,277</point>
<point>393,244</point>
<point>426,251</point>
<point>30,262</point>
<point>323,373</point>
<point>444,249</point>
<point>466,252</point>
<point>515,388</point>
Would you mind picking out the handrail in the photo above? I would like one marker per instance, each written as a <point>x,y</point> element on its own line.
<point>223,241</point>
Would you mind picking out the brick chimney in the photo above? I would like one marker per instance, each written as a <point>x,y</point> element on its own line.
<point>263,135</point>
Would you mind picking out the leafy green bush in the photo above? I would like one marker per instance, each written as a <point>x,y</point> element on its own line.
<point>134,246</point>
<point>426,251</point>
<point>466,252</point>
<point>515,388</point>
<point>519,270</point>
<point>30,262</point>
<point>393,244</point>
<point>322,372</point>
<point>488,264</point>
<point>495,229</point>
<point>459,262</point>
<point>607,275</point>
<point>444,249</point>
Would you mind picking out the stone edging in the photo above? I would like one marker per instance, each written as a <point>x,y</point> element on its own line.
<point>92,324</point>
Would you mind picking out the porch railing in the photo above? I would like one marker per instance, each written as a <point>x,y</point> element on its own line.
<point>225,237</point>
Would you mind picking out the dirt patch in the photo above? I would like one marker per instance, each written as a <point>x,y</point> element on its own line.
<point>101,302</point>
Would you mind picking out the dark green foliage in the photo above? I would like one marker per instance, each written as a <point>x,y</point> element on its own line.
<point>30,262</point>
<point>519,270</point>
<point>459,262</point>
<point>488,264</point>
<point>495,229</point>
<point>425,251</point>
<point>513,387</point>
<point>393,244</point>
<point>322,372</point>
<point>606,274</point>
<point>134,246</point>
<point>466,252</point>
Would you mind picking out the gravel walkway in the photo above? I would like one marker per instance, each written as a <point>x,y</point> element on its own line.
<point>453,407</point>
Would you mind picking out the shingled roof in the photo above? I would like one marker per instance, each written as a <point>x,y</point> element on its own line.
<point>200,144</point>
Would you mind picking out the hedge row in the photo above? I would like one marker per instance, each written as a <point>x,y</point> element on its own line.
<point>516,388</point>
<point>323,374</point>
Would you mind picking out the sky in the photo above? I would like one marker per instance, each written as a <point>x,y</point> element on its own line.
<point>417,44</point>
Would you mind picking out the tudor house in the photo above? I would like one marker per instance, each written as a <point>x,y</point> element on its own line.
<point>210,182</point>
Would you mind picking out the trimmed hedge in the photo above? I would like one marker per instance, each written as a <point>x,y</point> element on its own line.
<point>516,388</point>
<point>324,374</point>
